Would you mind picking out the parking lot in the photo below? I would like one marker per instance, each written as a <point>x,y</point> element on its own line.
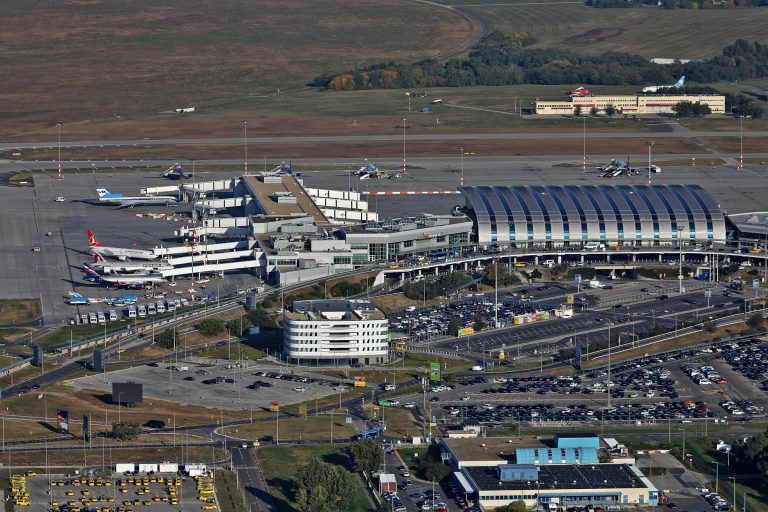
<point>656,390</point>
<point>215,387</point>
<point>120,493</point>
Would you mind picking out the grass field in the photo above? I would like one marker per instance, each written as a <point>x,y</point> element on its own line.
<point>228,496</point>
<point>80,402</point>
<point>281,462</point>
<point>650,32</point>
<point>96,456</point>
<point>400,422</point>
<point>292,428</point>
<point>19,311</point>
<point>682,341</point>
<point>202,52</point>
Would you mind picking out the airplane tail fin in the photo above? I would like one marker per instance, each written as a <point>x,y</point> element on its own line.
<point>102,192</point>
<point>90,272</point>
<point>92,242</point>
<point>680,82</point>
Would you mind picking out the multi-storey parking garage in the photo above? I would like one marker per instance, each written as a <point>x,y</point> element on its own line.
<point>639,215</point>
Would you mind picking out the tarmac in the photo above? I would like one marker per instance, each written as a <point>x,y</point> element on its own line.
<point>28,214</point>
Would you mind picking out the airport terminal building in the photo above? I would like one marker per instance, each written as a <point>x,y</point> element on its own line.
<point>571,215</point>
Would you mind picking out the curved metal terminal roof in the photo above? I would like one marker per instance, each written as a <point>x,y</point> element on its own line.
<point>594,213</point>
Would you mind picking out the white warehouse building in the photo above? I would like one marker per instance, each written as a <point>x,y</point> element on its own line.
<point>333,332</point>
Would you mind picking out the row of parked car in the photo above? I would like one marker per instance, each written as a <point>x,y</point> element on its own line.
<point>717,501</point>
<point>493,413</point>
<point>751,360</point>
<point>703,375</point>
<point>434,321</point>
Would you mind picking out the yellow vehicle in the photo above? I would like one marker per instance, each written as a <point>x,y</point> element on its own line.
<point>70,492</point>
<point>107,484</point>
<point>519,264</point>
<point>147,503</point>
<point>394,265</point>
<point>120,350</point>
<point>104,509</point>
<point>174,502</point>
<point>123,490</point>
<point>31,473</point>
<point>55,504</point>
<point>140,492</point>
<point>157,498</point>
<point>209,507</point>
<point>86,492</point>
<point>754,250</point>
<point>22,503</point>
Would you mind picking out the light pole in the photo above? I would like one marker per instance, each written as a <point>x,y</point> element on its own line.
<point>405,167</point>
<point>741,143</point>
<point>584,133</point>
<point>650,144</point>
<point>734,490</point>
<point>462,166</point>
<point>609,364</point>
<point>680,258</point>
<point>58,127</point>
<point>245,147</point>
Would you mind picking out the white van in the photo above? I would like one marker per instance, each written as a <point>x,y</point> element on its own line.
<point>92,318</point>
<point>132,312</point>
<point>151,308</point>
<point>101,317</point>
<point>160,306</point>
<point>112,315</point>
<point>410,308</point>
<point>593,246</point>
<point>142,311</point>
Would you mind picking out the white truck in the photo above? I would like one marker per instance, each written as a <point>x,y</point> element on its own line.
<point>477,368</point>
<point>594,283</point>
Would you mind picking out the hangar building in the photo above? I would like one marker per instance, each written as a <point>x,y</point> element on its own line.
<point>572,215</point>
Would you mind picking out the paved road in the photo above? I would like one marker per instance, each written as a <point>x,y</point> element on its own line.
<point>290,139</point>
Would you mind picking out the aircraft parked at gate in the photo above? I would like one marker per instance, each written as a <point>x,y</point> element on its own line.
<point>121,279</point>
<point>105,196</point>
<point>99,250</point>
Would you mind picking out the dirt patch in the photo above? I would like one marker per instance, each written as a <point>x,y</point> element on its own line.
<point>595,35</point>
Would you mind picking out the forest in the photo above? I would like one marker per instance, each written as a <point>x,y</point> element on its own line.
<point>506,59</point>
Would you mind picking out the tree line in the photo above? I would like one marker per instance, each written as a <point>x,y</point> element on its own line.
<point>676,4</point>
<point>507,59</point>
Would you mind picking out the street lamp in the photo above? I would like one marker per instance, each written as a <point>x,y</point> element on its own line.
<point>650,144</point>
<point>680,257</point>
<point>609,364</point>
<point>741,143</point>
<point>405,167</point>
<point>245,147</point>
<point>58,127</point>
<point>462,166</point>
<point>584,133</point>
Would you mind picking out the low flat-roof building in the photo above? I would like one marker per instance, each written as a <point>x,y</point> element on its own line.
<point>628,104</point>
<point>332,332</point>
<point>498,471</point>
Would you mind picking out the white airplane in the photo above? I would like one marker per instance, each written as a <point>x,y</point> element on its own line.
<point>140,267</point>
<point>656,88</point>
<point>105,196</point>
<point>98,249</point>
<point>121,279</point>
